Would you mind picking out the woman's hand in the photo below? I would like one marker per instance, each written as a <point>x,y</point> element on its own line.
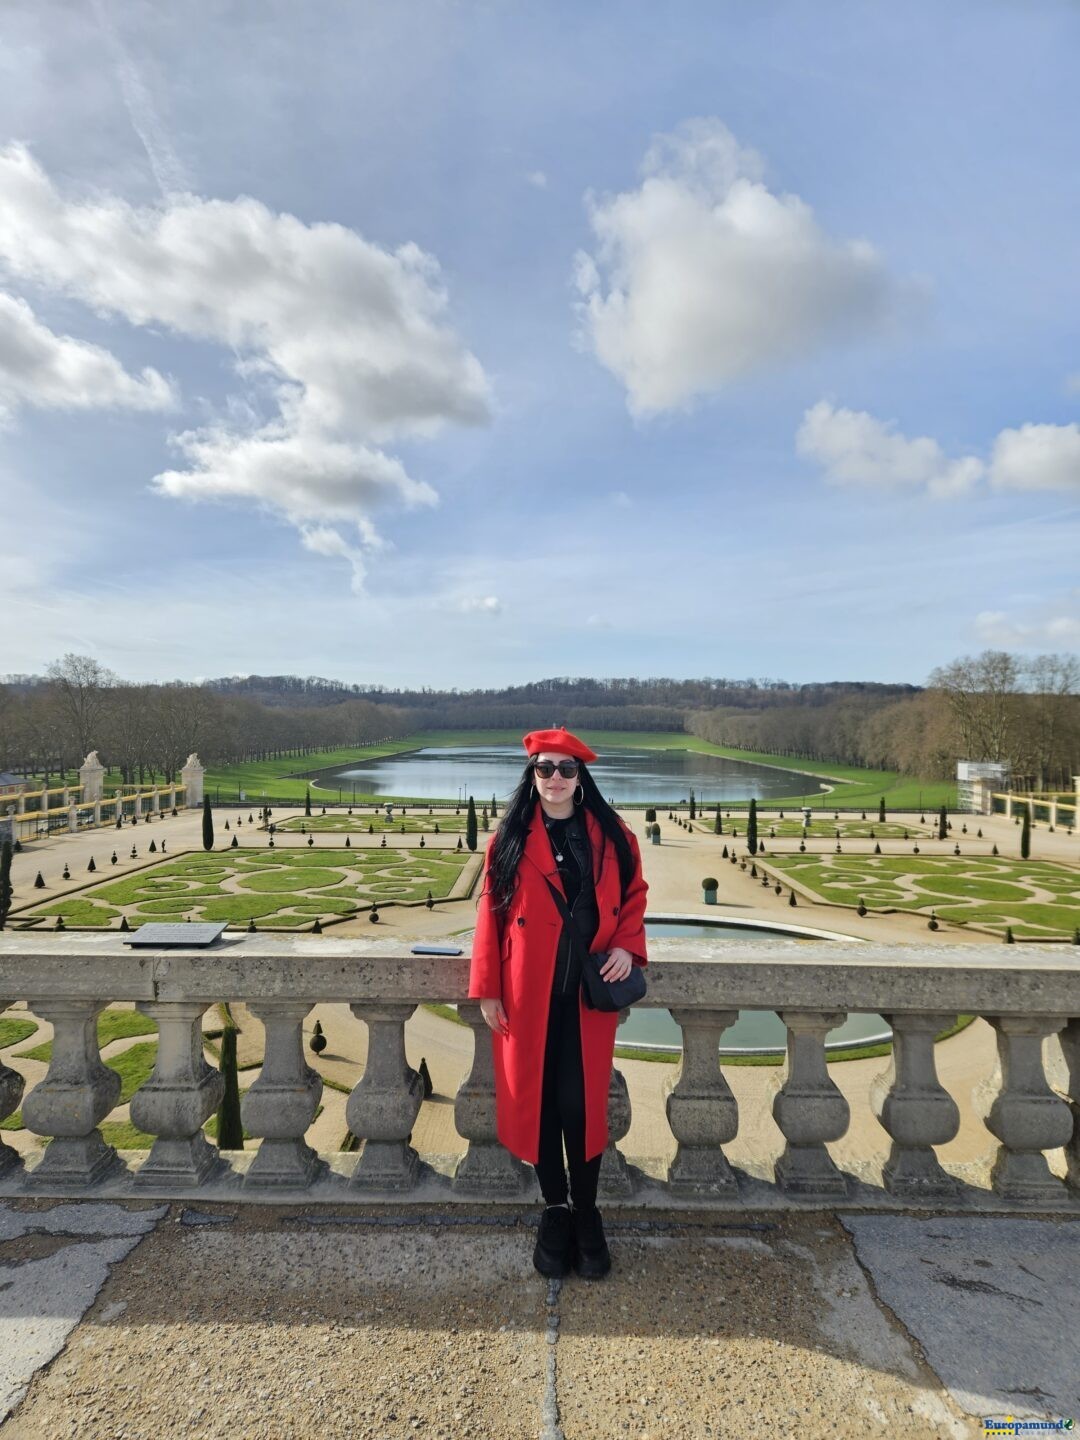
<point>618,966</point>
<point>495,1016</point>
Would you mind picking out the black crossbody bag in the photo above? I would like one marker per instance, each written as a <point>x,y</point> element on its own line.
<point>600,994</point>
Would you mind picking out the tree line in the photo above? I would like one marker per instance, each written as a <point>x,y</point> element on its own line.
<point>993,706</point>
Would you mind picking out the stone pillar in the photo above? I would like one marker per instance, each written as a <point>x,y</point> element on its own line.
<point>65,799</point>
<point>92,778</point>
<point>1070,1050</point>
<point>915,1109</point>
<point>178,1099</point>
<point>155,801</point>
<point>75,1096</point>
<point>192,775</point>
<point>282,1103</point>
<point>1008,806</point>
<point>809,1109</point>
<point>615,1177</point>
<point>1025,1114</point>
<point>20,803</point>
<point>383,1107</point>
<point>11,1089</point>
<point>701,1109</point>
<point>73,819</point>
<point>137,798</point>
<point>487,1167</point>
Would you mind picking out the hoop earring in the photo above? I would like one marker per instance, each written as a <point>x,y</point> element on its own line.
<point>582,789</point>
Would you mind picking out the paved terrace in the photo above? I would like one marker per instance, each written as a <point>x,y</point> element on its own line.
<point>279,1291</point>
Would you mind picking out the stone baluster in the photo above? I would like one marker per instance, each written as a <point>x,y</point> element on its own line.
<point>487,1167</point>
<point>177,1100</point>
<point>11,1089</point>
<point>281,1105</point>
<point>915,1109</point>
<point>383,1107</point>
<point>616,1178</point>
<point>75,1096</point>
<point>1070,1049</point>
<point>701,1109</point>
<point>809,1109</point>
<point>1025,1114</point>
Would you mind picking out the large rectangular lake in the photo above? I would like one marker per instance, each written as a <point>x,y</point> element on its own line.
<point>627,776</point>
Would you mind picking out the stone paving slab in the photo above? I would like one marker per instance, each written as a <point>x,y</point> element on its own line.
<point>46,1288</point>
<point>995,1306</point>
<point>267,1324</point>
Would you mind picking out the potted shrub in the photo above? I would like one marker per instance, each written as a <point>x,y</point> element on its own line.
<point>650,817</point>
<point>654,833</point>
<point>709,887</point>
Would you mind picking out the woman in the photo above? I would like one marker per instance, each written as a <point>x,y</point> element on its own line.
<point>553,1053</point>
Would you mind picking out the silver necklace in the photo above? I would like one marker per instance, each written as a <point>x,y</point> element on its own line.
<point>554,844</point>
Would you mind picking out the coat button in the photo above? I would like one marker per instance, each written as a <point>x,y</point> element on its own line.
<point>615,909</point>
<point>521,920</point>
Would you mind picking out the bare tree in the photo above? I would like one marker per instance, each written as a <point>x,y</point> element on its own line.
<point>81,687</point>
<point>982,694</point>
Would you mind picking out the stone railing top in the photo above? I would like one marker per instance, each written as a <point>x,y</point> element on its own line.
<point>781,974</point>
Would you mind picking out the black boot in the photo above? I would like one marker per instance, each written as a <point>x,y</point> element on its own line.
<point>592,1259</point>
<point>554,1243</point>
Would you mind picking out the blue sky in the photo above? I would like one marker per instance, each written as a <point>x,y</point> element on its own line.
<point>463,344</point>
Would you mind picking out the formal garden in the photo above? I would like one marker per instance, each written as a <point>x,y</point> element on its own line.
<point>374,822</point>
<point>287,889</point>
<point>1030,899</point>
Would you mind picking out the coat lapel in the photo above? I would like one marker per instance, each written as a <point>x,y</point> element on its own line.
<point>538,851</point>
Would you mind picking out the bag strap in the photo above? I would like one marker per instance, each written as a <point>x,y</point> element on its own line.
<point>569,923</point>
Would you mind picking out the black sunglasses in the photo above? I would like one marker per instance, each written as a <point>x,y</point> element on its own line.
<point>566,768</point>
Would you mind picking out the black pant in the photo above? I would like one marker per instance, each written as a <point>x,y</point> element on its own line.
<point>562,1111</point>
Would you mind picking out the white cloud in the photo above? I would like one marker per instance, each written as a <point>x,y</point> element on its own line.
<point>702,275</point>
<point>855,448</point>
<point>1055,626</point>
<point>350,339</point>
<point>1037,457</point>
<point>621,500</point>
<point>47,371</point>
<point>537,179</point>
<point>482,604</point>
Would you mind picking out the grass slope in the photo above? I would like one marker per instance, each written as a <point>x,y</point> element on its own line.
<point>283,778</point>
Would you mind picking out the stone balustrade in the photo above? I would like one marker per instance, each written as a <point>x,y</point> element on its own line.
<point>1029,994</point>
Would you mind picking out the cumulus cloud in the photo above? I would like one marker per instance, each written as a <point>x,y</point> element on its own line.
<point>1056,627</point>
<point>855,448</point>
<point>537,179</point>
<point>703,275</point>
<point>350,340</point>
<point>1037,457</point>
<point>47,371</point>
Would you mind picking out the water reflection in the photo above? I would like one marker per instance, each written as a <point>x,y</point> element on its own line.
<point>630,776</point>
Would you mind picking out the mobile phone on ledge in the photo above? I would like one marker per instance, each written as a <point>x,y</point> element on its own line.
<point>436,950</point>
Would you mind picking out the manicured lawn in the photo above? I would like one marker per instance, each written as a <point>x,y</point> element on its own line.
<point>111,1025</point>
<point>282,889</point>
<point>12,1031</point>
<point>1036,898</point>
<point>375,823</point>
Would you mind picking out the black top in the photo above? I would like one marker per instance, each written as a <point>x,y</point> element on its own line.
<point>570,839</point>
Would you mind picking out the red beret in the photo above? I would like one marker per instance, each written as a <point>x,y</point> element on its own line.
<point>560,740</point>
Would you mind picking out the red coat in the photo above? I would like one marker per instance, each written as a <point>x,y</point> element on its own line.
<point>513,959</point>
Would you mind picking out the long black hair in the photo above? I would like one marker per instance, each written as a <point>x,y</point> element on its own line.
<point>509,843</point>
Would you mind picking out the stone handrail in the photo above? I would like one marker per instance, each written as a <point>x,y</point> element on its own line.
<point>1027,993</point>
